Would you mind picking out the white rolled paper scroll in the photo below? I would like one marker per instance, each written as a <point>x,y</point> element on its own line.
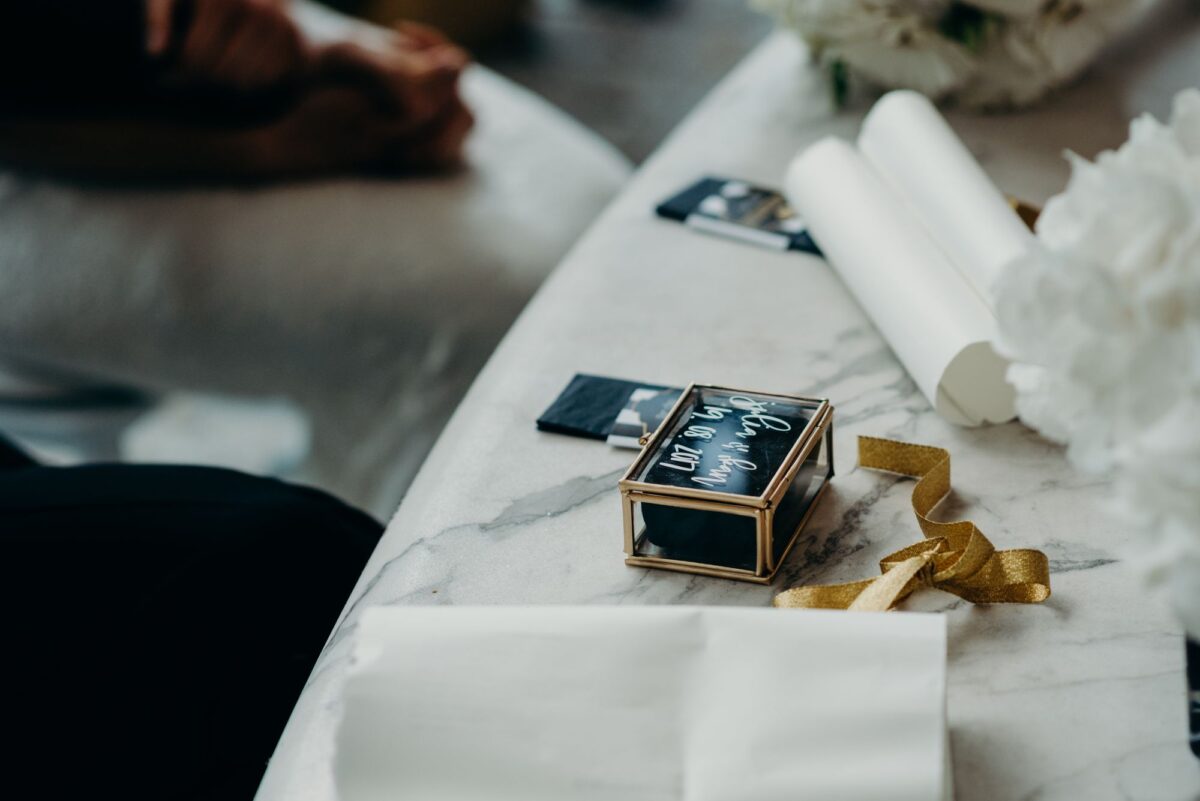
<point>918,233</point>
<point>644,704</point>
<point>920,157</point>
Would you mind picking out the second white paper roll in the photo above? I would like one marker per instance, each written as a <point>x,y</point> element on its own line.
<point>935,321</point>
<point>919,156</point>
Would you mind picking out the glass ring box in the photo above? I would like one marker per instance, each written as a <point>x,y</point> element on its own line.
<point>726,483</point>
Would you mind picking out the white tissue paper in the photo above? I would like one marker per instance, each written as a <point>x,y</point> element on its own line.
<point>644,704</point>
<point>919,234</point>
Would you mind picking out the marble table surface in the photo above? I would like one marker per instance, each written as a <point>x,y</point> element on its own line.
<point>1082,697</point>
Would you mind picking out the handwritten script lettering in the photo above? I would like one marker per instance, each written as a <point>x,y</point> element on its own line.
<point>753,420</point>
<point>726,464</point>
<point>712,413</point>
<point>683,458</point>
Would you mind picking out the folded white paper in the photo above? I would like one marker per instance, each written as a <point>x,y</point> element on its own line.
<point>919,234</point>
<point>644,704</point>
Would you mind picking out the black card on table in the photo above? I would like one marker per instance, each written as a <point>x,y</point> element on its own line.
<point>608,408</point>
<point>738,210</point>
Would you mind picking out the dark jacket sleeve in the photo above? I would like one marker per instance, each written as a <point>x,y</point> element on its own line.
<point>70,55</point>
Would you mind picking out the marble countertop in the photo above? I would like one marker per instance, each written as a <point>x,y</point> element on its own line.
<point>1080,698</point>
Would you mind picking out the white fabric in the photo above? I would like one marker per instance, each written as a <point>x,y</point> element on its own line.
<point>644,704</point>
<point>372,303</point>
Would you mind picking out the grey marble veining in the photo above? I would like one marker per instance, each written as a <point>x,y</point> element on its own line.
<point>1082,697</point>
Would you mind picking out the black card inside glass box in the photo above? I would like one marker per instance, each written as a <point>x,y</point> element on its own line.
<point>727,482</point>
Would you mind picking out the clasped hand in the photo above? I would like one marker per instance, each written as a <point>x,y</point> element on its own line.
<point>365,97</point>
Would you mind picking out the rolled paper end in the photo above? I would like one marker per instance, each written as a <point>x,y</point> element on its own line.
<point>938,326</point>
<point>900,102</point>
<point>973,390</point>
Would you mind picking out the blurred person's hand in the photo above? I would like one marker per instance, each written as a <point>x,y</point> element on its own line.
<point>358,97</point>
<point>243,45</point>
<point>341,128</point>
<point>414,75</point>
<point>403,110</point>
<point>411,73</point>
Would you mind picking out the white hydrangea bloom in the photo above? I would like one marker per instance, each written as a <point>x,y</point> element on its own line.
<point>1022,48</point>
<point>1103,322</point>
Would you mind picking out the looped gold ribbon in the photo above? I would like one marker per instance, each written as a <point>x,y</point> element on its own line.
<point>954,557</point>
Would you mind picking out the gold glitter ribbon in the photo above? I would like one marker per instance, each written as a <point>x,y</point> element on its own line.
<point>954,557</point>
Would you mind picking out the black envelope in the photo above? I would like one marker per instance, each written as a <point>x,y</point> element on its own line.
<point>590,404</point>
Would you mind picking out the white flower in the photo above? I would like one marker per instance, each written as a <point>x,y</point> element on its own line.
<point>1012,8</point>
<point>892,43</point>
<point>985,53</point>
<point>1041,46</point>
<point>1103,324</point>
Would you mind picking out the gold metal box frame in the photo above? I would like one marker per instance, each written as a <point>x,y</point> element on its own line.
<point>761,507</point>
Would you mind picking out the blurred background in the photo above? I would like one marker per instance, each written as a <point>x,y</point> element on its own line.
<point>182,323</point>
<point>627,69</point>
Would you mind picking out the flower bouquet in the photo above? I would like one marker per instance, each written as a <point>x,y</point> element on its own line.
<point>982,53</point>
<point>1102,320</point>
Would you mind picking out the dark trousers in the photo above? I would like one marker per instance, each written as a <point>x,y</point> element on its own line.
<point>160,623</point>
